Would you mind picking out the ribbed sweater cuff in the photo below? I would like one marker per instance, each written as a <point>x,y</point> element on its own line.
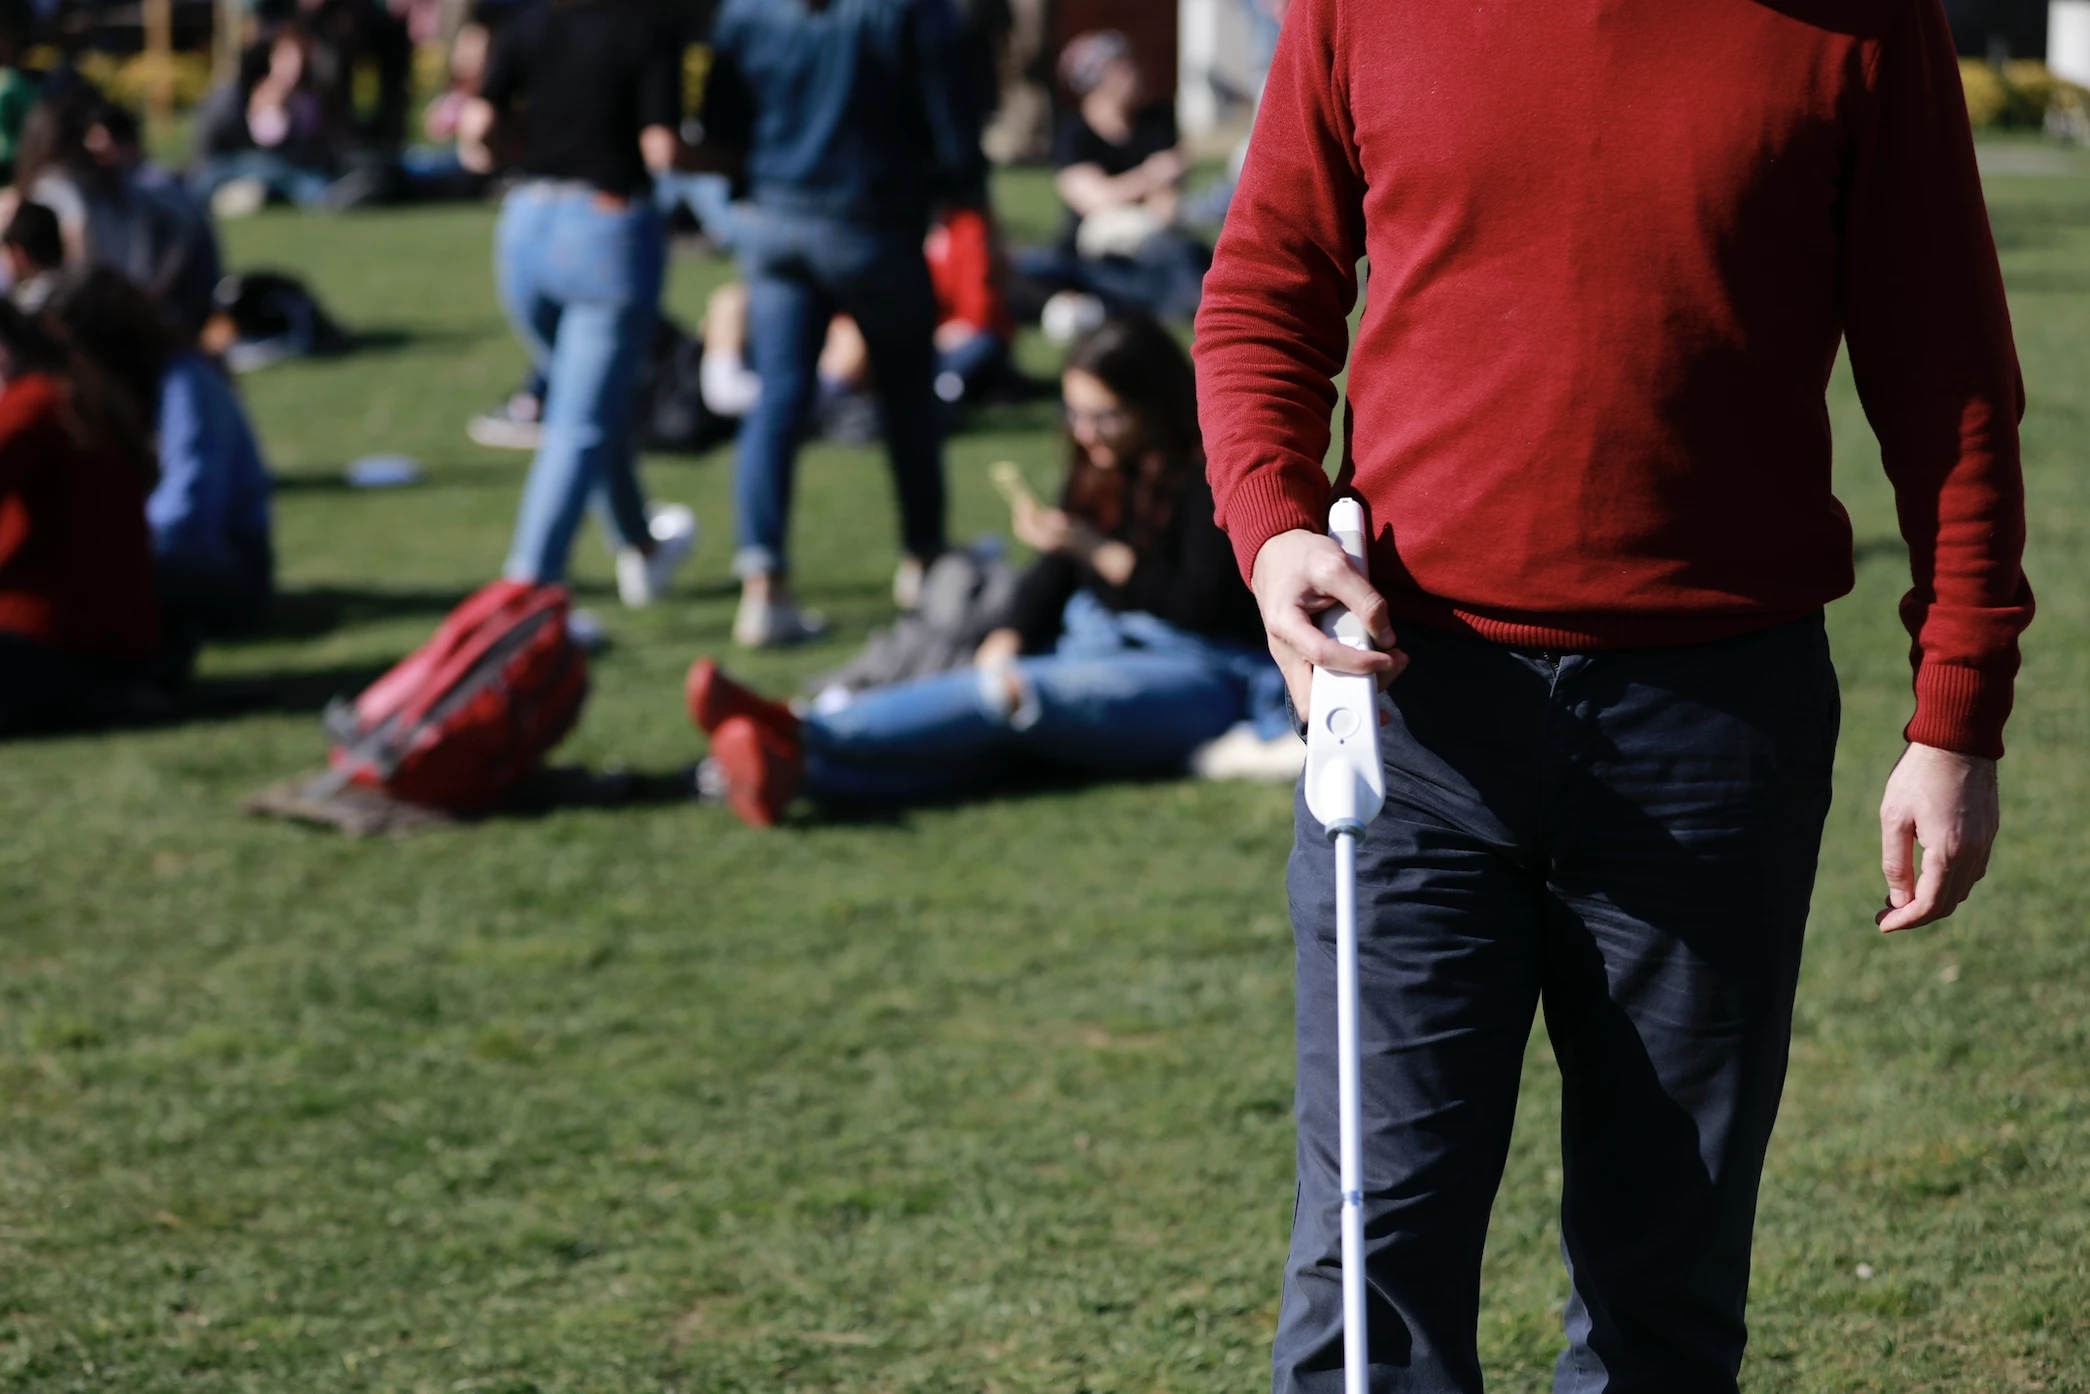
<point>1270,501</point>
<point>1960,708</point>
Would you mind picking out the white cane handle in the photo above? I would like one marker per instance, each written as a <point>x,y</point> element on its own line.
<point>1345,785</point>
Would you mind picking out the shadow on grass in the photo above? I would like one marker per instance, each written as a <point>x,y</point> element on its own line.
<point>1020,784</point>
<point>320,610</point>
<point>386,338</point>
<point>314,799</point>
<point>2049,282</point>
<point>301,692</point>
<point>557,788</point>
<point>2025,226</point>
<point>336,482</point>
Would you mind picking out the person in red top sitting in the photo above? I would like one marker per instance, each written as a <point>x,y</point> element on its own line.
<point>974,328</point>
<point>79,625</point>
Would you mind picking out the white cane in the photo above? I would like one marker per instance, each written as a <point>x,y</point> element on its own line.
<point>1345,787</point>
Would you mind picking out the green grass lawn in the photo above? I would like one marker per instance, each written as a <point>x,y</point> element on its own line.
<point>981,1098</point>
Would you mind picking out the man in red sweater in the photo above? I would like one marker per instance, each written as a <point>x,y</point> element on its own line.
<point>1613,246</point>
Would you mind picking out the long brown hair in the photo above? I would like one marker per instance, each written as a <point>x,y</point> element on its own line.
<point>1150,375</point>
<point>100,412</point>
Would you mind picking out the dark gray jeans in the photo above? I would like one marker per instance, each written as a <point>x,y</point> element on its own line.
<point>1628,838</point>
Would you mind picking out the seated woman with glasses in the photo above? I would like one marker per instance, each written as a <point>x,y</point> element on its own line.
<point>1130,642</point>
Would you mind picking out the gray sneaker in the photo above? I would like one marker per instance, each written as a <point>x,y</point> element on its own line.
<point>772,624</point>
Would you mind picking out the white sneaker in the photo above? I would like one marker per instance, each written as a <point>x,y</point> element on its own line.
<point>907,584</point>
<point>642,578</point>
<point>772,624</point>
<point>1069,314</point>
<point>516,424</point>
<point>239,198</point>
<point>1242,754</point>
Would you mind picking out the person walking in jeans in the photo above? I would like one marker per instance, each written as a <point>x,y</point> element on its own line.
<point>1586,417</point>
<point>856,117</point>
<point>580,255</point>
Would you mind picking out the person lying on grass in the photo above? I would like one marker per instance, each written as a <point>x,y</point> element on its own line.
<point>1129,642</point>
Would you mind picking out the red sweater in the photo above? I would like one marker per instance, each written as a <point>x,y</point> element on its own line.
<point>1613,245</point>
<point>75,555</point>
<point>960,252</point>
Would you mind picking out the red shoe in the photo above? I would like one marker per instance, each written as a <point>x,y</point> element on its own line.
<point>714,699</point>
<point>763,769</point>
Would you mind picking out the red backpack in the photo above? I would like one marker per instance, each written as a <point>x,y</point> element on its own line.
<point>464,718</point>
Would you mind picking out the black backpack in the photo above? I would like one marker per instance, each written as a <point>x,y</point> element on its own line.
<point>669,412</point>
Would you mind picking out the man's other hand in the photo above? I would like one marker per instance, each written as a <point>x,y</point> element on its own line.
<point>1299,574</point>
<point>1946,802</point>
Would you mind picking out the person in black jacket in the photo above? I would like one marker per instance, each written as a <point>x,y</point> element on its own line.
<point>1130,641</point>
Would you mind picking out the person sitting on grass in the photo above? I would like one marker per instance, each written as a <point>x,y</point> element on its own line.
<point>1120,172</point>
<point>79,627</point>
<point>213,560</point>
<point>974,330</point>
<point>1130,642</point>
<point>35,251</point>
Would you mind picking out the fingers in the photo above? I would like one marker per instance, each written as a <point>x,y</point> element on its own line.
<point>1299,678</point>
<point>1298,675</point>
<point>1928,902</point>
<point>1355,593</point>
<point>1292,628</point>
<point>1897,858</point>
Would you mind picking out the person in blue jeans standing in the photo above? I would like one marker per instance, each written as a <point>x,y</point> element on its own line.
<point>1129,643</point>
<point>595,90</point>
<point>856,118</point>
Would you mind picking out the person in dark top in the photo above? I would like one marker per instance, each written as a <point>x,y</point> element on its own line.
<point>1111,149</point>
<point>79,629</point>
<point>856,118</point>
<point>1119,169</point>
<point>589,95</point>
<point>1130,642</point>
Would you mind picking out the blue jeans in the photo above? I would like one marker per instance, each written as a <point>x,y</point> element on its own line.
<point>1627,839</point>
<point>299,185</point>
<point>800,270</point>
<point>581,286</point>
<point>1166,279</point>
<point>1122,694</point>
<point>978,362</point>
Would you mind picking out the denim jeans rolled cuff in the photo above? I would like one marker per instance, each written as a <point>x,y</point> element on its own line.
<point>581,285</point>
<point>1627,841</point>
<point>749,562</point>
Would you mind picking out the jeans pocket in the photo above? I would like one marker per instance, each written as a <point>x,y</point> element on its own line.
<point>602,255</point>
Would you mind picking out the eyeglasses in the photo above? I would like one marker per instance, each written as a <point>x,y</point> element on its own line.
<point>1110,421</point>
